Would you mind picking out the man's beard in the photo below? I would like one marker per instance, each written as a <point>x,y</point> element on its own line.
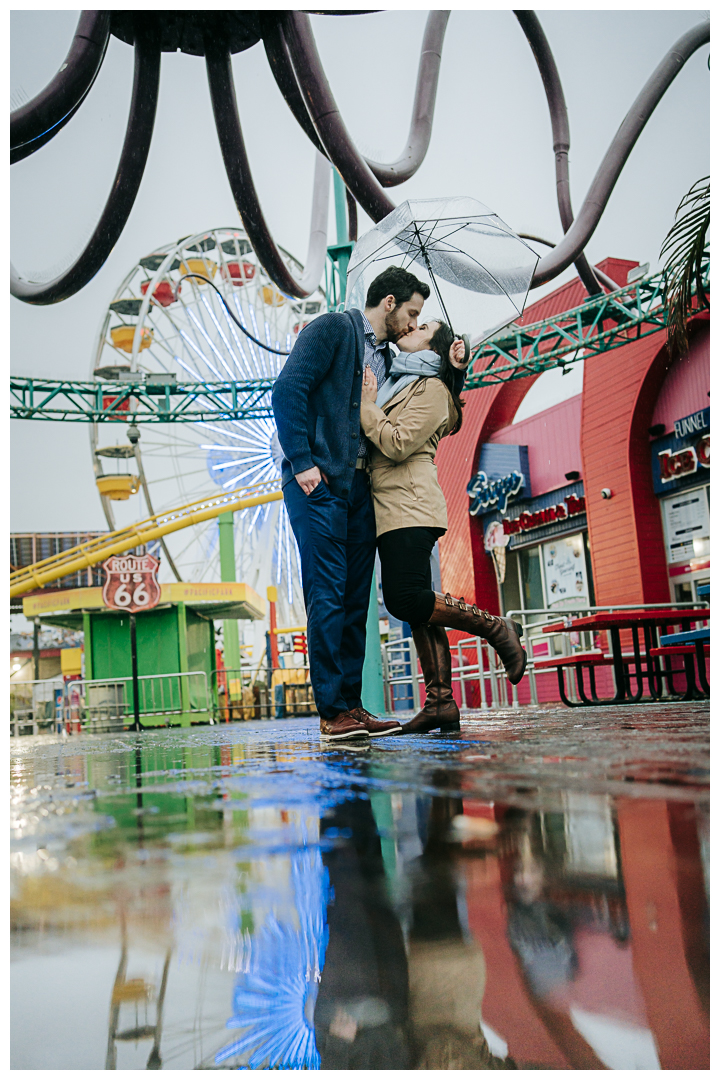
<point>393,329</point>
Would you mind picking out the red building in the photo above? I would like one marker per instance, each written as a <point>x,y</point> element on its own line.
<point>602,498</point>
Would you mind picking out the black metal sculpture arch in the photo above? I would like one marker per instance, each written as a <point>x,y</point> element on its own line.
<point>36,123</point>
<point>295,63</point>
<point>143,106</point>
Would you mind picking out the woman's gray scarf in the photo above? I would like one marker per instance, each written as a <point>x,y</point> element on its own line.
<point>407,368</point>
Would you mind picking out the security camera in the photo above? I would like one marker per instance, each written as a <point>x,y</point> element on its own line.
<point>133,434</point>
<point>606,493</point>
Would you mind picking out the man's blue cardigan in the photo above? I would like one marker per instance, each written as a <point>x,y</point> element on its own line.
<point>316,399</point>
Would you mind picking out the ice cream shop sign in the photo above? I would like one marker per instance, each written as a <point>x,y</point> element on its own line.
<point>528,520</point>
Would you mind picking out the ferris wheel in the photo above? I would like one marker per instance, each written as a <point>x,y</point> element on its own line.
<point>160,321</point>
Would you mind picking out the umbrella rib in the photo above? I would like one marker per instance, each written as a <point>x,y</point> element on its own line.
<point>441,239</point>
<point>435,285</point>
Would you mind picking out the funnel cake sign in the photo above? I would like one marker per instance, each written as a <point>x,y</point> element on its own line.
<point>535,519</point>
<point>681,458</point>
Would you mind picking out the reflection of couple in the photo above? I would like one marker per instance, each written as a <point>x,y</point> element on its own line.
<point>349,414</point>
<point>403,979</point>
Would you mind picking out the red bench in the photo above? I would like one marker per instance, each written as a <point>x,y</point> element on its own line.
<point>596,658</point>
<point>678,650</point>
<point>699,650</point>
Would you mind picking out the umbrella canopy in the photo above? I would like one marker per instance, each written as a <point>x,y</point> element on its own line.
<point>478,270</point>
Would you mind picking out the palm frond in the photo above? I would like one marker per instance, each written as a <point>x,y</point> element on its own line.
<point>684,251</point>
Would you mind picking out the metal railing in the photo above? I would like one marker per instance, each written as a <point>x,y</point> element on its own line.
<point>110,701</point>
<point>34,704</point>
<point>242,693</point>
<point>475,661</point>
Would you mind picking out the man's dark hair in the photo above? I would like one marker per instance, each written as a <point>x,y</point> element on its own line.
<point>398,283</point>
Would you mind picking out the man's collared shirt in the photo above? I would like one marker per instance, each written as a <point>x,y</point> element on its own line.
<point>374,359</point>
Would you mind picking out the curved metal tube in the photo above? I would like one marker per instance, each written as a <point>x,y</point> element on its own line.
<point>278,56</point>
<point>34,124</point>
<point>561,132</point>
<point>602,277</point>
<point>418,139</point>
<point>617,154</point>
<point>352,217</point>
<point>237,167</point>
<point>124,190</point>
<point>318,242</point>
<point>326,118</point>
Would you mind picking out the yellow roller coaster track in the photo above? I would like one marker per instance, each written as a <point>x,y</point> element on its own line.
<point>113,543</point>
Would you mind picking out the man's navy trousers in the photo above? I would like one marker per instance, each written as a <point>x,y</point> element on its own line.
<point>336,538</point>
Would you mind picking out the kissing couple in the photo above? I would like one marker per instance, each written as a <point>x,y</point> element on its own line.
<point>359,426</point>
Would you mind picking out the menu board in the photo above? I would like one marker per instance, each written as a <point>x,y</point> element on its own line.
<point>686,520</point>
<point>565,573</point>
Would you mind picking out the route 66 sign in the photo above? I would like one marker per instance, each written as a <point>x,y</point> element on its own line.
<point>131,582</point>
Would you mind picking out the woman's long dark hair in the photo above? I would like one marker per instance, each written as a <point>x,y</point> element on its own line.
<point>441,343</point>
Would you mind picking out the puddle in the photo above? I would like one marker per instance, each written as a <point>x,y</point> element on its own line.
<point>530,894</point>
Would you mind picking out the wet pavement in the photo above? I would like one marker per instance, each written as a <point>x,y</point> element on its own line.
<point>530,894</point>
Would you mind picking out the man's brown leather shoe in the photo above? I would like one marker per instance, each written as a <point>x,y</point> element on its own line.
<point>342,726</point>
<point>374,726</point>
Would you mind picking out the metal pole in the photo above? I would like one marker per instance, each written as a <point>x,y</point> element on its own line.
<point>36,648</point>
<point>373,693</point>
<point>231,637</point>
<point>340,251</point>
<point>136,687</point>
<point>481,673</point>
<point>341,225</point>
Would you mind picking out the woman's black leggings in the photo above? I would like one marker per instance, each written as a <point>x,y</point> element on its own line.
<point>406,577</point>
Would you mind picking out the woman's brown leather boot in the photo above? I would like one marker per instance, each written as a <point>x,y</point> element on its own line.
<point>502,634</point>
<point>439,710</point>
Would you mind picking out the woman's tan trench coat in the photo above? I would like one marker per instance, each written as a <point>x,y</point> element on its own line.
<point>405,434</point>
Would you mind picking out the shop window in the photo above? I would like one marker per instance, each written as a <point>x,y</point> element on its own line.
<point>510,588</point>
<point>566,578</point>
<point>684,592</point>
<point>531,578</point>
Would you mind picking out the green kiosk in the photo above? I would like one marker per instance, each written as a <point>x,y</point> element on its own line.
<point>178,680</point>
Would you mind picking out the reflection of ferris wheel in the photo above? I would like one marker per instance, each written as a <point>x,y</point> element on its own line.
<point>148,329</point>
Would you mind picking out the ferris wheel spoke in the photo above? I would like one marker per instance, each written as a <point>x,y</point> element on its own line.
<point>231,352</point>
<point>251,345</point>
<point>249,370</point>
<point>257,472</point>
<point>218,355</point>
<point>263,354</point>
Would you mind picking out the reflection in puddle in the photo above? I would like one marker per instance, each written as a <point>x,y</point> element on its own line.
<point>245,898</point>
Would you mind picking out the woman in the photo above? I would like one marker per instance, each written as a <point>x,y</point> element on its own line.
<point>414,409</point>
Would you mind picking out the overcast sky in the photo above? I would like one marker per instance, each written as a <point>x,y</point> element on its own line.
<point>491,140</point>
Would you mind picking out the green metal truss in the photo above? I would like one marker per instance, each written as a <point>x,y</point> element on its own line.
<point>600,324</point>
<point>141,401</point>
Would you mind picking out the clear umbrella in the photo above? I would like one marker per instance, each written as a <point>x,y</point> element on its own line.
<point>479,271</point>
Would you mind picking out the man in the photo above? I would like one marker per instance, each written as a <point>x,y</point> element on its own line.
<point>316,401</point>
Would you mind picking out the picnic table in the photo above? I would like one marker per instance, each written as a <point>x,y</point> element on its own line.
<point>645,659</point>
